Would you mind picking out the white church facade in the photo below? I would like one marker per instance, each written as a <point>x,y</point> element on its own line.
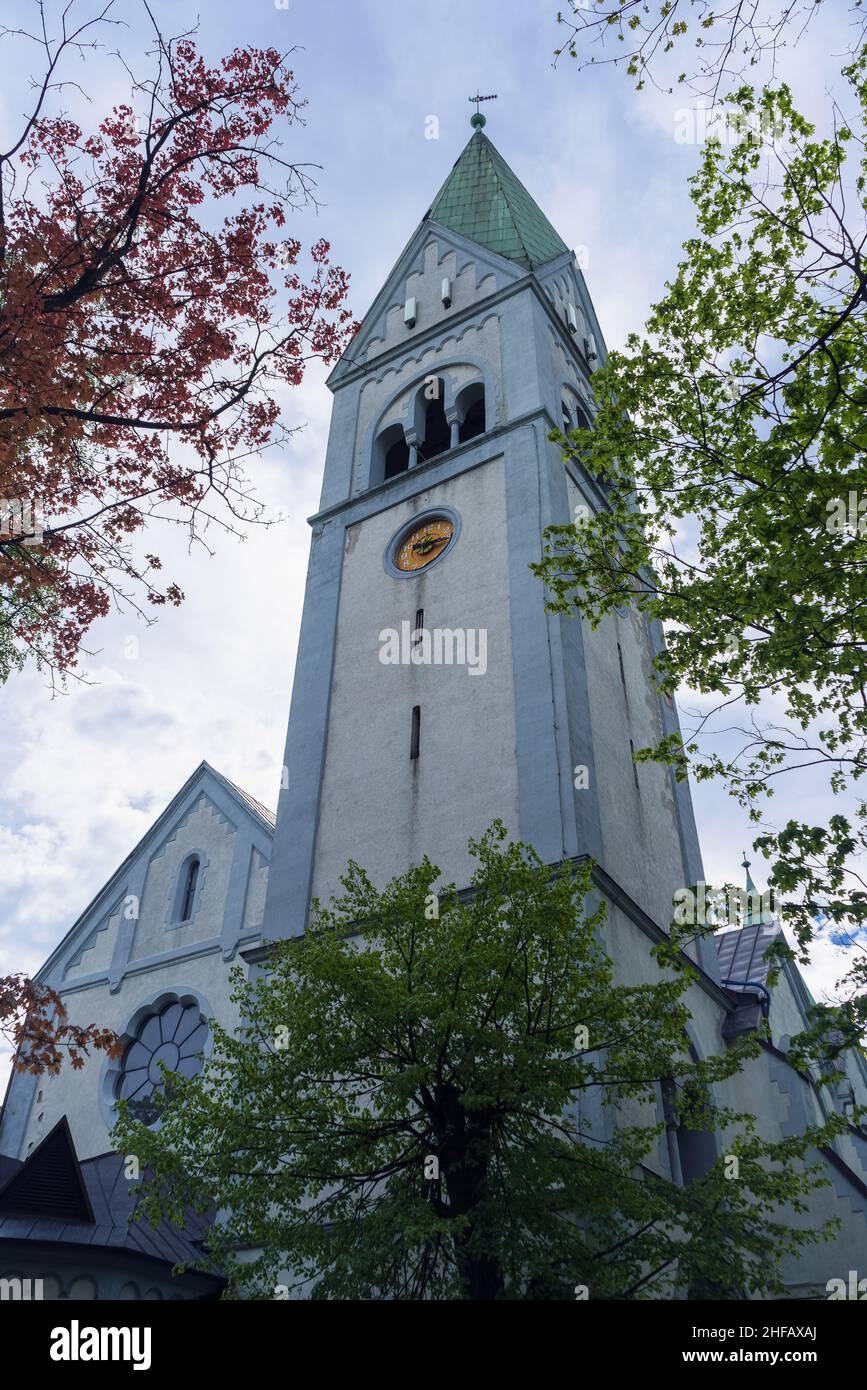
<point>432,694</point>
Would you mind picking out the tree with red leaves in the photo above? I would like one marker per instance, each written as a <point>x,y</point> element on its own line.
<point>143,334</point>
<point>34,1021</point>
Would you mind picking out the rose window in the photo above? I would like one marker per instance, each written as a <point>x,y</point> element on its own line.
<point>174,1037</point>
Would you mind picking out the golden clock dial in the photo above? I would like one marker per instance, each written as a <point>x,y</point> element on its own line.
<point>424,544</point>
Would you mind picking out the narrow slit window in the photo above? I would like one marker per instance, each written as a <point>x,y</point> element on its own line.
<point>189,890</point>
<point>419,624</point>
<point>415,736</point>
<point>620,659</point>
<point>634,766</point>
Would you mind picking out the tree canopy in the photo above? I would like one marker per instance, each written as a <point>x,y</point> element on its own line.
<point>35,1023</point>
<point>730,438</point>
<point>435,1095</point>
<point>706,46</point>
<point>145,334</point>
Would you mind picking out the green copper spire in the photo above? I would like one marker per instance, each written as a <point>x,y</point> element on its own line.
<point>484,201</point>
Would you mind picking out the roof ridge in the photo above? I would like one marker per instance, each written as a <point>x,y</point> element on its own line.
<point>263,811</point>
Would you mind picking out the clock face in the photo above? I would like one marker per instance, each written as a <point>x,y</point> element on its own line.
<point>424,544</point>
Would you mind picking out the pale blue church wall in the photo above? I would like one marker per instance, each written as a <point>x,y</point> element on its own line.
<point>784,1103</point>
<point>109,964</point>
<point>549,720</point>
<point>644,838</point>
<point>377,804</point>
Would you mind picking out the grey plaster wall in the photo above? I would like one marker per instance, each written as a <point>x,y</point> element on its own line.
<point>472,281</point>
<point>377,805</point>
<point>640,842</point>
<point>204,831</point>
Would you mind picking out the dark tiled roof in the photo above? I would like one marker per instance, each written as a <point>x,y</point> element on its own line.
<point>50,1181</point>
<point>8,1166</point>
<point>107,1194</point>
<point>741,953</point>
<point>484,201</point>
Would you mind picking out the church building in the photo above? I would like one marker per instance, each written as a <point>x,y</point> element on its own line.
<point>432,693</point>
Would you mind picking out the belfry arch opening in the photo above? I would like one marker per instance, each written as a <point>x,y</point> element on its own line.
<point>435,433</point>
<point>471,411</point>
<point>392,454</point>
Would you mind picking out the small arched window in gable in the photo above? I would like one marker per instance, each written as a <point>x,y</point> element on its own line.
<point>471,411</point>
<point>185,892</point>
<point>190,881</point>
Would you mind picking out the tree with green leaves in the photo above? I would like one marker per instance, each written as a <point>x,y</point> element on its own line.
<point>706,46</point>
<point>449,1096</point>
<point>730,439</point>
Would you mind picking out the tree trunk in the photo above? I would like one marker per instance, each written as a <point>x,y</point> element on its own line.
<point>465,1133</point>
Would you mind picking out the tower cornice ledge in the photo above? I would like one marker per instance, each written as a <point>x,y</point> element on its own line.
<point>428,473</point>
<point>257,952</point>
<point>437,470</point>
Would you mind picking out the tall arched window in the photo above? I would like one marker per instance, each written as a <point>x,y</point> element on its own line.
<point>471,411</point>
<point>187,887</point>
<point>396,458</point>
<point>691,1144</point>
<point>437,434</point>
<point>189,895</point>
<point>390,455</point>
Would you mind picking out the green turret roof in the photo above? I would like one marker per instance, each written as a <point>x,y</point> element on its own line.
<point>484,201</point>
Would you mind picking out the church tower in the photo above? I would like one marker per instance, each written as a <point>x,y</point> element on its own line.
<point>432,691</point>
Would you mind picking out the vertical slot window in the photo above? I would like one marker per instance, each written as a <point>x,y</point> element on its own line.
<point>415,734</point>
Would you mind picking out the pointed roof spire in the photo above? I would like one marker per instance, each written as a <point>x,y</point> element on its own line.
<point>751,887</point>
<point>758,908</point>
<point>49,1182</point>
<point>484,201</point>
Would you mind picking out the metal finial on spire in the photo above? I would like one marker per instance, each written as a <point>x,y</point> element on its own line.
<point>751,887</point>
<point>477,120</point>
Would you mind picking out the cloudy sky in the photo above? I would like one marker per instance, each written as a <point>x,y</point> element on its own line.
<point>84,773</point>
